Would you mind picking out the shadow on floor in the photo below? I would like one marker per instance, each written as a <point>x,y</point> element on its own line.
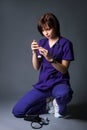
<point>78,111</point>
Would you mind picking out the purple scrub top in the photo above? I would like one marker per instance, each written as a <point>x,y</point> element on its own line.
<point>49,76</point>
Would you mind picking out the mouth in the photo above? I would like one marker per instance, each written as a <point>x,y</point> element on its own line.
<point>47,36</point>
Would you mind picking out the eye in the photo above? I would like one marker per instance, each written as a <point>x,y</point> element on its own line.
<point>46,29</point>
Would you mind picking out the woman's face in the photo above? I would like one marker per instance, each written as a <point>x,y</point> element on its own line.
<point>48,32</point>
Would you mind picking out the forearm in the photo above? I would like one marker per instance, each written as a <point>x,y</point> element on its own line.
<point>61,67</point>
<point>35,61</point>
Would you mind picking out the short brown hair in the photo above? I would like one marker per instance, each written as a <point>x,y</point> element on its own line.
<point>50,20</point>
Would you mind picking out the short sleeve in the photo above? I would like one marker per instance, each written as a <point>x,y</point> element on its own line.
<point>68,53</point>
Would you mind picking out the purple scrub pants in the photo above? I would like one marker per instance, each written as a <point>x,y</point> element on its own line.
<point>34,102</point>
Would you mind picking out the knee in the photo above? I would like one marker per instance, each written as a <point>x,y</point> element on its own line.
<point>17,113</point>
<point>63,93</point>
<point>65,98</point>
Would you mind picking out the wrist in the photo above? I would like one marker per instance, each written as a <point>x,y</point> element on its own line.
<point>33,52</point>
<point>52,61</point>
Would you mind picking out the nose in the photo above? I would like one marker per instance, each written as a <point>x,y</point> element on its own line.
<point>46,32</point>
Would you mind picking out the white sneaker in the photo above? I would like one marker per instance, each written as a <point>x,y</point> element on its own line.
<point>51,110</point>
<point>50,107</point>
<point>56,109</point>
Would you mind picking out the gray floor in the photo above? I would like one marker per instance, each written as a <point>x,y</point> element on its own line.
<point>76,119</point>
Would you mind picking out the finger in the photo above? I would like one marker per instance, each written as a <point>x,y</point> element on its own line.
<point>42,49</point>
<point>34,41</point>
<point>43,53</point>
<point>34,46</point>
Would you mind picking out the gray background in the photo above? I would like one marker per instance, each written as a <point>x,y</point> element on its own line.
<point>18,27</point>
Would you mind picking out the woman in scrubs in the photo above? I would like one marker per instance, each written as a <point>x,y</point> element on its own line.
<point>52,55</point>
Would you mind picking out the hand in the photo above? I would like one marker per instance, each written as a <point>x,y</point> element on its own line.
<point>34,46</point>
<point>45,53</point>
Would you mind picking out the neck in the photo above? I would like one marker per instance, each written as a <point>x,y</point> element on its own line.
<point>53,41</point>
